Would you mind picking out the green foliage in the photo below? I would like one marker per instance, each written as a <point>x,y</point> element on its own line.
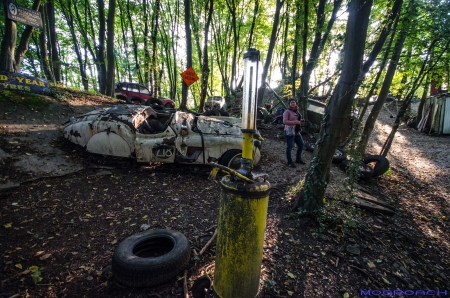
<point>270,285</point>
<point>35,274</point>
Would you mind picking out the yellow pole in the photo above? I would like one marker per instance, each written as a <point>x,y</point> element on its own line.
<point>247,145</point>
<point>240,237</point>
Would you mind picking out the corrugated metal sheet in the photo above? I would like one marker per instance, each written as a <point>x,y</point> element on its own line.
<point>446,116</point>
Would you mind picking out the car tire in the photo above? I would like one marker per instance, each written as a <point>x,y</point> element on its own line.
<point>154,101</point>
<point>135,100</point>
<point>159,109</point>
<point>134,263</point>
<point>168,106</point>
<point>366,171</point>
<point>381,164</point>
<point>339,154</point>
<point>231,159</point>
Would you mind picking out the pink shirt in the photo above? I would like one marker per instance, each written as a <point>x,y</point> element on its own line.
<point>290,118</point>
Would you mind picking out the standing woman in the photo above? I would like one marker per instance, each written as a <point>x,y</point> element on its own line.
<point>292,120</point>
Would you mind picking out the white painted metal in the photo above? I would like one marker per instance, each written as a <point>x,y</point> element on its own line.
<point>187,138</point>
<point>446,116</point>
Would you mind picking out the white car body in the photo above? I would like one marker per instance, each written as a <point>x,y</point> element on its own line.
<point>186,138</point>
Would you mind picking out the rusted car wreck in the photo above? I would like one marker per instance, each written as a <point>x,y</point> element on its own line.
<point>139,132</point>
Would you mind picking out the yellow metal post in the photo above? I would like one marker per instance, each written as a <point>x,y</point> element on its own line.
<point>240,237</point>
<point>243,207</point>
<point>247,145</point>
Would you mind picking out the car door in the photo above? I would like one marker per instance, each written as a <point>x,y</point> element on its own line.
<point>158,147</point>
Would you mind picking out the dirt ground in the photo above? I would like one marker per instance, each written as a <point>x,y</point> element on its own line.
<point>63,212</point>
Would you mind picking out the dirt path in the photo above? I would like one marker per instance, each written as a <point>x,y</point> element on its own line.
<point>29,137</point>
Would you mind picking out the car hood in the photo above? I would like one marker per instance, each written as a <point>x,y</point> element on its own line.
<point>132,115</point>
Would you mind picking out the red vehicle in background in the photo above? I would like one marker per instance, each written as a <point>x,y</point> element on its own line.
<point>134,93</point>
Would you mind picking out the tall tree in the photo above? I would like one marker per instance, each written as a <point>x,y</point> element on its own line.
<point>273,37</point>
<point>370,122</point>
<point>339,107</point>
<point>320,38</point>
<point>53,41</point>
<point>101,46</point>
<point>187,27</point>
<point>205,61</point>
<point>110,74</point>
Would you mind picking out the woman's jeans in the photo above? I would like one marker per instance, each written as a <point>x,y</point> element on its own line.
<point>297,138</point>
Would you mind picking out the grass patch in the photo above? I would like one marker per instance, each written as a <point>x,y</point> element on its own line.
<point>12,99</point>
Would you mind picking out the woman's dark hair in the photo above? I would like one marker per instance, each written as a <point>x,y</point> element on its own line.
<point>292,99</point>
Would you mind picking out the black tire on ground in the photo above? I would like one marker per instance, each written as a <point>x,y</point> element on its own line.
<point>154,101</point>
<point>339,155</point>
<point>151,257</point>
<point>231,159</point>
<point>135,100</point>
<point>381,164</point>
<point>344,165</point>
<point>366,171</point>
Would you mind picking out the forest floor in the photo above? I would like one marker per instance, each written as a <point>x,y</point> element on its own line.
<point>63,213</point>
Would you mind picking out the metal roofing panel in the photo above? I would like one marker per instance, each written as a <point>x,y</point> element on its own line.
<point>446,116</point>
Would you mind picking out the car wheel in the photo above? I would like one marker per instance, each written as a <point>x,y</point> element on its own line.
<point>169,105</point>
<point>135,100</point>
<point>154,101</point>
<point>232,159</point>
<point>379,163</point>
<point>151,257</point>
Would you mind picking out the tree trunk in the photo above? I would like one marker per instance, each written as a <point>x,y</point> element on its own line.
<point>417,82</point>
<point>273,36</point>
<point>133,37</point>
<point>154,65</point>
<point>297,33</point>
<point>339,107</point>
<point>148,80</point>
<point>376,109</point>
<point>125,43</point>
<point>67,11</point>
<point>187,27</point>
<point>380,71</point>
<point>54,54</point>
<point>101,46</point>
<point>110,50</point>
<point>316,50</point>
<point>45,60</point>
<point>24,39</point>
<point>7,62</point>
<point>205,62</point>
